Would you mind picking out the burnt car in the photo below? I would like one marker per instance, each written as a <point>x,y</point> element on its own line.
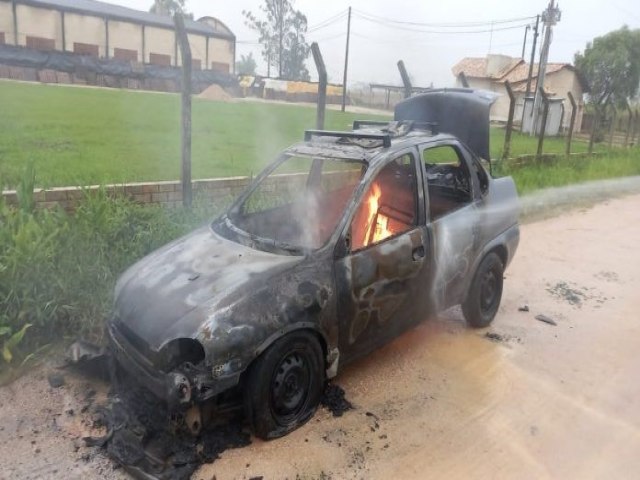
<point>344,242</point>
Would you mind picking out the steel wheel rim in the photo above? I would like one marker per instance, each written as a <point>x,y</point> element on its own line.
<point>489,291</point>
<point>290,385</point>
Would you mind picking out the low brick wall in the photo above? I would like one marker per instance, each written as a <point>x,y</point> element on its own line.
<point>168,194</point>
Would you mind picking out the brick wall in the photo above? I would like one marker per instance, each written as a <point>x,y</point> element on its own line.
<point>168,194</point>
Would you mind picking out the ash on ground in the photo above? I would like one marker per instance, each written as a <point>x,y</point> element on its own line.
<point>501,337</point>
<point>142,436</point>
<point>334,400</point>
<point>573,295</point>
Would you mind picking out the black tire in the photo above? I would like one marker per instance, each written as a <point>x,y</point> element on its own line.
<point>284,385</point>
<point>483,299</point>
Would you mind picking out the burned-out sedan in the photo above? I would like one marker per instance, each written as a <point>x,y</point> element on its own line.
<point>344,242</point>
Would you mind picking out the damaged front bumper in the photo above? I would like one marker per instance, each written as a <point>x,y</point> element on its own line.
<point>180,388</point>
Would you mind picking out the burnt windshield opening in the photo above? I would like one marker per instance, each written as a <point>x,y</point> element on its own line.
<point>297,205</point>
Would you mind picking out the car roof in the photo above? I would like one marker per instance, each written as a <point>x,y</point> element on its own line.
<point>363,150</point>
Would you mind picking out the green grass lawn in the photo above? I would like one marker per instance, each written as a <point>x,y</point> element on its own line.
<point>82,136</point>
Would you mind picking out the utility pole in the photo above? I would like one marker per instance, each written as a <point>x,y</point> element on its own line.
<point>524,43</point>
<point>533,55</point>
<point>550,17</point>
<point>346,63</point>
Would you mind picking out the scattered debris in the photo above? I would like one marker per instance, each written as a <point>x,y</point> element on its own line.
<point>56,380</point>
<point>608,276</point>
<point>523,308</point>
<point>141,435</point>
<point>545,319</point>
<point>494,337</point>
<point>500,337</point>
<point>90,358</point>
<point>572,295</point>
<point>333,399</point>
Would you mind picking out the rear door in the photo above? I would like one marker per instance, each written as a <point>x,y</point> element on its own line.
<point>385,268</point>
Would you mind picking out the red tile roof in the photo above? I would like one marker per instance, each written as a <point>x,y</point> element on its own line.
<point>516,71</point>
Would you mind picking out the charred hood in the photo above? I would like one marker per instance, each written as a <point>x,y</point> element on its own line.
<point>461,112</point>
<point>200,270</point>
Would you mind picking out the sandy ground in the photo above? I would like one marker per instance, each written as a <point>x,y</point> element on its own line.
<point>442,401</point>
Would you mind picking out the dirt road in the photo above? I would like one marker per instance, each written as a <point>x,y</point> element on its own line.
<point>442,401</point>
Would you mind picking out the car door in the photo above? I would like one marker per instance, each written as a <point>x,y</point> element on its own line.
<point>384,267</point>
<point>452,192</point>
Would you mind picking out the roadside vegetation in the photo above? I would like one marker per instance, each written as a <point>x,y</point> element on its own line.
<point>57,271</point>
<point>530,176</point>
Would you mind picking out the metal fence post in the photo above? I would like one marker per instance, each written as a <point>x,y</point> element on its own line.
<point>322,85</point>
<point>630,125</point>
<point>594,126</point>
<point>612,127</point>
<point>512,108</point>
<point>543,125</point>
<point>406,81</point>
<point>572,123</point>
<point>185,51</point>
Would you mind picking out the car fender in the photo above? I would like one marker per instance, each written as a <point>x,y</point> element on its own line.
<point>505,243</point>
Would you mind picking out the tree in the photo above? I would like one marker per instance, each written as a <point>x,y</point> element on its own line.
<point>611,66</point>
<point>297,50</point>
<point>170,8</point>
<point>282,35</point>
<point>246,65</point>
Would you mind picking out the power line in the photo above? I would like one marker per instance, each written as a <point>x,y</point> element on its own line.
<point>327,22</point>
<point>445,32</point>
<point>331,37</point>
<point>388,21</point>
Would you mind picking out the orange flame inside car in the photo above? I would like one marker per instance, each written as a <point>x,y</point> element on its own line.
<point>377,223</point>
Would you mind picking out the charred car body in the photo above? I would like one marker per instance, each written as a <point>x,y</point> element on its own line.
<point>344,242</point>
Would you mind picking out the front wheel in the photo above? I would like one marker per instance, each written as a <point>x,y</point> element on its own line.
<point>483,300</point>
<point>284,385</point>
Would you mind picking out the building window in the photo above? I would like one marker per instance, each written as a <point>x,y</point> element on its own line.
<point>220,67</point>
<point>39,43</point>
<point>86,49</point>
<point>125,54</point>
<point>196,64</point>
<point>160,59</point>
<point>2,41</point>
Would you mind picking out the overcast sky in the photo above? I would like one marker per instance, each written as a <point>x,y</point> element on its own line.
<point>376,48</point>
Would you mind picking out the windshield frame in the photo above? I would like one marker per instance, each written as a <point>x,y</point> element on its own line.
<point>225,225</point>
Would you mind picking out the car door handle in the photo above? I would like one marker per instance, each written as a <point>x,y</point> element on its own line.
<point>418,253</point>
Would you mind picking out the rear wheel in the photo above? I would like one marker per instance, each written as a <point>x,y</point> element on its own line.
<point>284,385</point>
<point>485,293</point>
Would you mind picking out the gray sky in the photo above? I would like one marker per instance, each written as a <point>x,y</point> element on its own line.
<point>375,48</point>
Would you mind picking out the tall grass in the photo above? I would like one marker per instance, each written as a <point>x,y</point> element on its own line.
<point>57,270</point>
<point>531,176</point>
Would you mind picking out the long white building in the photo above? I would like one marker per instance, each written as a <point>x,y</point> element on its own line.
<point>90,27</point>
